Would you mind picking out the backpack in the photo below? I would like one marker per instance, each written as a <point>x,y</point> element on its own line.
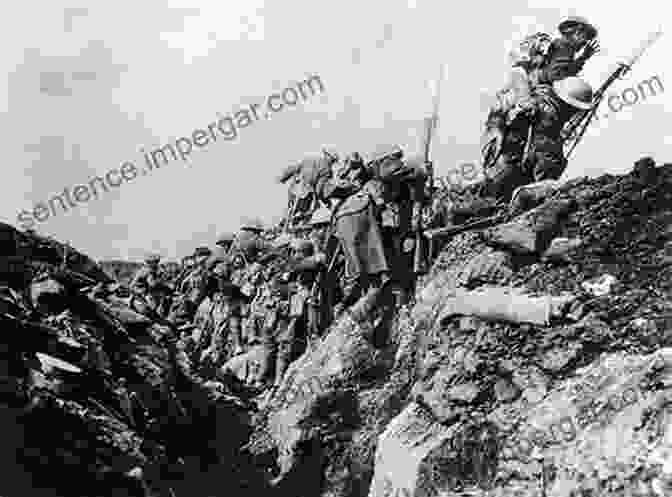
<point>532,51</point>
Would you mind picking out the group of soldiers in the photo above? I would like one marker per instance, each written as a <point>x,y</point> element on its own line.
<point>353,231</point>
<point>259,298</point>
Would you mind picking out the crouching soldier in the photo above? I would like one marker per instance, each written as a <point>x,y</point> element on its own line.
<point>539,119</point>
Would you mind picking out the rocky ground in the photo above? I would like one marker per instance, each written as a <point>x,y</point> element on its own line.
<point>562,391</point>
<point>459,404</point>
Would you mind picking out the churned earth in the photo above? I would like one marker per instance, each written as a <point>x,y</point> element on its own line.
<point>535,361</point>
<point>459,404</point>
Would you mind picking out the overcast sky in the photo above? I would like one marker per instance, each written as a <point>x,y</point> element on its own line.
<point>87,85</point>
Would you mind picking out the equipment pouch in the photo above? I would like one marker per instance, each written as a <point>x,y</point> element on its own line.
<point>297,306</point>
<point>390,217</point>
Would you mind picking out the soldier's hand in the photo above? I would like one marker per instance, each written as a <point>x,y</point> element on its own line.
<point>591,48</point>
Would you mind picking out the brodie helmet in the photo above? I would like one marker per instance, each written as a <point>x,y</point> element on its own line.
<point>575,91</point>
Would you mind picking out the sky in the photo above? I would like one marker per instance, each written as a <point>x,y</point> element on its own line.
<point>87,86</point>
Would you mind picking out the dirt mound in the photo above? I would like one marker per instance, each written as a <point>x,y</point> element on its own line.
<point>441,407</point>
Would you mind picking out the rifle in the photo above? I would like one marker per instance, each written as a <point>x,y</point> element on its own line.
<point>439,234</point>
<point>420,262</point>
<point>577,126</point>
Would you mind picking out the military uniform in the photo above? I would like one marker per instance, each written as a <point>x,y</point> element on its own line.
<point>149,287</point>
<point>305,300</point>
<point>193,286</point>
<point>224,334</point>
<point>221,254</point>
<point>545,114</point>
<point>358,232</point>
<point>305,176</point>
<point>249,243</point>
<point>539,61</point>
<point>266,325</point>
<point>302,313</point>
<point>403,198</point>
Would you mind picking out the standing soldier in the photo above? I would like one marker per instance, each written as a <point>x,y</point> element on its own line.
<point>303,319</point>
<point>193,286</point>
<point>323,294</point>
<point>225,339</point>
<point>357,230</point>
<point>402,200</point>
<point>546,113</point>
<point>268,325</point>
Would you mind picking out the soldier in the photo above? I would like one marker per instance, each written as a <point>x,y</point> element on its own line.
<point>203,321</point>
<point>249,243</point>
<point>528,58</point>
<point>319,227</point>
<point>539,61</point>
<point>192,286</point>
<point>194,283</point>
<point>402,200</point>
<point>225,316</point>
<point>222,253</point>
<point>149,288</point>
<point>267,325</point>
<point>357,229</point>
<point>304,197</point>
<point>546,114</point>
<point>324,293</point>
<point>303,317</point>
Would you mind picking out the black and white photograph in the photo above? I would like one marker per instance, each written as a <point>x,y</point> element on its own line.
<point>401,248</point>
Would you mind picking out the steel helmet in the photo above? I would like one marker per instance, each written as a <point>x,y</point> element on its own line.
<point>330,153</point>
<point>152,258</point>
<point>574,91</point>
<point>202,252</point>
<point>321,215</point>
<point>574,21</point>
<point>225,239</point>
<point>385,151</point>
<point>253,225</point>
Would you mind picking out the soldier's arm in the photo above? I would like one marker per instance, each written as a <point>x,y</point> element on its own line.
<point>339,189</point>
<point>310,263</point>
<point>288,173</point>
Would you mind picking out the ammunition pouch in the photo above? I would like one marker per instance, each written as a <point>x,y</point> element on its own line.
<point>298,303</point>
<point>391,217</point>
